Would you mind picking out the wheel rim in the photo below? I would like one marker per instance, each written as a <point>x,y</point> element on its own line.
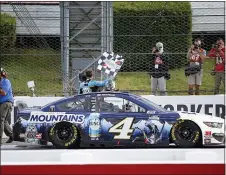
<point>186,133</point>
<point>64,134</point>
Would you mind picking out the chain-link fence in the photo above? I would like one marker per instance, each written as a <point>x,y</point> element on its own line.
<point>30,47</point>
<point>137,27</point>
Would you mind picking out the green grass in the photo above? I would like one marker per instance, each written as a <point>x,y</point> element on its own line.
<point>43,66</point>
<point>177,85</point>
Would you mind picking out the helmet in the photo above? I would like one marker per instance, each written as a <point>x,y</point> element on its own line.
<point>2,72</point>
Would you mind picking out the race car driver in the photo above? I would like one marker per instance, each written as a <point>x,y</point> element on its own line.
<point>89,85</point>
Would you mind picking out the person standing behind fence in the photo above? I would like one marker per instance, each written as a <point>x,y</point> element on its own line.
<point>6,105</point>
<point>218,53</point>
<point>158,70</point>
<point>196,56</point>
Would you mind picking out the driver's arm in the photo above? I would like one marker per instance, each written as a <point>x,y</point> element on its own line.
<point>98,83</point>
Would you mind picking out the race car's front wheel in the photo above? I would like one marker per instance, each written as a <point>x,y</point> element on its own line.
<point>186,133</point>
<point>64,135</point>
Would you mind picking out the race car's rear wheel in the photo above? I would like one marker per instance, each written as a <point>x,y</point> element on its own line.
<point>186,133</point>
<point>64,135</point>
<point>16,132</point>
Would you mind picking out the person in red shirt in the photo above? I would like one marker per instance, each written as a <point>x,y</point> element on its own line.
<point>195,56</point>
<point>218,53</point>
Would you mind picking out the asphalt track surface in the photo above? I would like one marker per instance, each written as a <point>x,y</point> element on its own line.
<point>25,146</point>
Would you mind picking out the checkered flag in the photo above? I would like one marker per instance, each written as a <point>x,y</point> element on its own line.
<point>110,63</point>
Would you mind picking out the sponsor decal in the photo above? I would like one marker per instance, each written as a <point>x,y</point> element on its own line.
<point>94,126</point>
<point>30,134</point>
<point>47,117</point>
<point>208,109</point>
<point>208,135</point>
<point>39,136</point>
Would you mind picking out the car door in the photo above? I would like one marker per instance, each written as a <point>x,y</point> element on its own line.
<point>118,123</point>
<point>79,105</point>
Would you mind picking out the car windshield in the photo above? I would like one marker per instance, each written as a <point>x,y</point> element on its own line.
<point>150,103</point>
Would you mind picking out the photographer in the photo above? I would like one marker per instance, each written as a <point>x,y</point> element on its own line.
<point>196,56</point>
<point>218,53</point>
<point>159,70</point>
<point>6,105</point>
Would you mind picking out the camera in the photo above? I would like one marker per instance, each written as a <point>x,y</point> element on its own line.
<point>214,46</point>
<point>156,50</point>
<point>196,46</point>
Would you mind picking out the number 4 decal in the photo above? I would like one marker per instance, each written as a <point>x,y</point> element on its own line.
<point>123,129</point>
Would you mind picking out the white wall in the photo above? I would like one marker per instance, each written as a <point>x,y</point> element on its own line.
<point>208,16</point>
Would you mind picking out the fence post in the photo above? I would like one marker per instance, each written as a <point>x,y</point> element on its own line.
<point>64,20</point>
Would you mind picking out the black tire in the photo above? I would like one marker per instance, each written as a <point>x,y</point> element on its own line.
<point>16,132</point>
<point>186,134</point>
<point>64,135</point>
<point>43,142</point>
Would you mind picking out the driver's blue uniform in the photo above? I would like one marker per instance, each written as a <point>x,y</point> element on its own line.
<point>91,86</point>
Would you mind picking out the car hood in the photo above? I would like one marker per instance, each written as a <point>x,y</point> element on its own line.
<point>201,117</point>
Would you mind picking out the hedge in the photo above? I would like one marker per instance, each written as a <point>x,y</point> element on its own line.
<point>7,32</point>
<point>139,25</point>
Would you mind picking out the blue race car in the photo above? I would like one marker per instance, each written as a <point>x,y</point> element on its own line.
<point>105,119</point>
